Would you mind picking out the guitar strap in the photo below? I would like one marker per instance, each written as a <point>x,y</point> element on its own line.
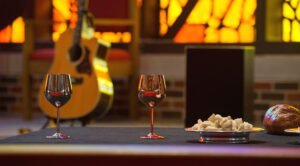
<point>88,26</point>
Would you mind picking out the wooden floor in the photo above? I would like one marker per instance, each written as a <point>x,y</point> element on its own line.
<point>12,124</point>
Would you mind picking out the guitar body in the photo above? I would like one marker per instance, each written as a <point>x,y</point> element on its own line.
<point>87,80</point>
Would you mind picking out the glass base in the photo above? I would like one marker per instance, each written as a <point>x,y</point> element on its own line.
<point>58,136</point>
<point>232,140</point>
<point>152,136</point>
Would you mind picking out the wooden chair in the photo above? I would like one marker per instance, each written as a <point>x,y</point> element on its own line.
<point>34,62</point>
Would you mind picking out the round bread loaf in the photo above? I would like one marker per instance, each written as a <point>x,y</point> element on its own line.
<point>281,117</point>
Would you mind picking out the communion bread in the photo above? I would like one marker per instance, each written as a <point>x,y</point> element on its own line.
<point>218,122</point>
<point>281,117</point>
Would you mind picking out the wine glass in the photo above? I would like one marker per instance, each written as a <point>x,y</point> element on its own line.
<point>58,91</point>
<point>151,91</point>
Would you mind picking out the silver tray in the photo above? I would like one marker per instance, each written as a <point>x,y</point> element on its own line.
<point>220,136</point>
<point>293,130</point>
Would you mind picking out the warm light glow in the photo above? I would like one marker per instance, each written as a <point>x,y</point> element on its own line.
<point>218,21</point>
<point>126,37</point>
<point>291,20</point>
<point>115,37</point>
<point>59,30</point>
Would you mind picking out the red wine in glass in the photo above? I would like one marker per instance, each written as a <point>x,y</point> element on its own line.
<point>58,91</point>
<point>152,90</point>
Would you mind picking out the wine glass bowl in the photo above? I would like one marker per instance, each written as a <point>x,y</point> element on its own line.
<point>58,91</point>
<point>151,91</point>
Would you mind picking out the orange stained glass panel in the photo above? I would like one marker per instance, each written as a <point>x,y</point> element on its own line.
<point>214,22</point>
<point>298,12</point>
<point>296,31</point>
<point>290,21</point>
<point>14,33</point>
<point>164,3</point>
<point>173,12</point>
<point>183,2</point>
<point>246,33</point>
<point>163,22</point>
<point>18,31</point>
<point>5,35</point>
<point>66,10</point>
<point>286,30</point>
<point>233,17</point>
<point>229,21</point>
<point>249,9</point>
<point>63,10</point>
<point>201,12</point>
<point>211,35</point>
<point>294,3</point>
<point>220,7</point>
<point>63,6</point>
<point>288,11</point>
<point>228,35</point>
<point>193,33</point>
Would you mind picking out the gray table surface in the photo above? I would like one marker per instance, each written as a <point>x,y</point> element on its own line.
<point>131,135</point>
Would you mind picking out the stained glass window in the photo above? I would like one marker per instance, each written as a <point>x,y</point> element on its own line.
<point>66,10</point>
<point>63,11</point>
<point>291,21</point>
<point>13,33</point>
<point>211,21</point>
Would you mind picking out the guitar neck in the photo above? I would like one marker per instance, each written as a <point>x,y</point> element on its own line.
<point>78,28</point>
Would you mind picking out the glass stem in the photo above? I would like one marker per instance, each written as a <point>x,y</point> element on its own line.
<point>57,121</point>
<point>152,120</point>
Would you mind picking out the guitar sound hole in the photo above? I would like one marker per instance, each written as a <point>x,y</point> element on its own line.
<point>75,52</point>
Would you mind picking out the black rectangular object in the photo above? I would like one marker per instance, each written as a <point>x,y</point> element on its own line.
<point>219,80</point>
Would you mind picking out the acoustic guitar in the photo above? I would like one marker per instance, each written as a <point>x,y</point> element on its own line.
<point>84,60</point>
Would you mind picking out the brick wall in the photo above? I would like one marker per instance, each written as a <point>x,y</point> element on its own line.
<point>172,107</point>
<point>270,93</point>
<point>266,94</point>
<point>10,93</point>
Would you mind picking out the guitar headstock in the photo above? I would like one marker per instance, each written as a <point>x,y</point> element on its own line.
<point>75,50</point>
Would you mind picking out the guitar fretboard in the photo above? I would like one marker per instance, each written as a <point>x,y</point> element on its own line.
<point>78,28</point>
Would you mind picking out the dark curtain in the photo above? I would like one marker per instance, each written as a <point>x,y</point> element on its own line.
<point>110,10</point>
